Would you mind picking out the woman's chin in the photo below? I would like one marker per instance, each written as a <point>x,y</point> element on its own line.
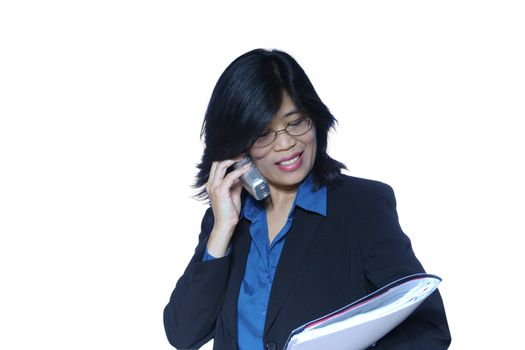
<point>287,182</point>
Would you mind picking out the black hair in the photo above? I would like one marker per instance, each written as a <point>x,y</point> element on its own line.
<point>244,101</point>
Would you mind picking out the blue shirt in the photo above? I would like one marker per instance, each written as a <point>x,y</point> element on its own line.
<point>262,261</point>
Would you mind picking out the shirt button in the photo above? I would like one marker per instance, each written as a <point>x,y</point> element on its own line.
<point>270,346</point>
<point>264,313</point>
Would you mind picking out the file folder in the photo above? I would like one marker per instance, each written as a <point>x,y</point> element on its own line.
<point>363,322</point>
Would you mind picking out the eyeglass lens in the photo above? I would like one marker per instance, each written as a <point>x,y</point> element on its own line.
<point>296,128</point>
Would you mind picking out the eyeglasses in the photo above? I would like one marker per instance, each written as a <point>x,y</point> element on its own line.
<point>296,128</point>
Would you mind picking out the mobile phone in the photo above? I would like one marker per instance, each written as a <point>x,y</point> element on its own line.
<point>253,181</point>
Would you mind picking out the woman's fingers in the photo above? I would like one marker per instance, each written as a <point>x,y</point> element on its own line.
<point>222,167</point>
<point>218,171</point>
<point>235,175</point>
<point>212,170</point>
<point>211,177</point>
<point>235,192</point>
<point>224,192</point>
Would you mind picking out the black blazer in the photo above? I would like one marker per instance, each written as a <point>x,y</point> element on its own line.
<point>325,264</point>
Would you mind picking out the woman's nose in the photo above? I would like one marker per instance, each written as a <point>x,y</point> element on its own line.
<point>284,141</point>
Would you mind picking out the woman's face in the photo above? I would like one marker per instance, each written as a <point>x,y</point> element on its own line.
<point>288,159</point>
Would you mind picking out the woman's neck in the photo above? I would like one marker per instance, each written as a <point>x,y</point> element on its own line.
<point>281,198</point>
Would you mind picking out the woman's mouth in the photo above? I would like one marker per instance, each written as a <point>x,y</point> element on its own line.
<point>291,164</point>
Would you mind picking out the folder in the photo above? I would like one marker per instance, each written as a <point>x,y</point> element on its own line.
<point>363,322</point>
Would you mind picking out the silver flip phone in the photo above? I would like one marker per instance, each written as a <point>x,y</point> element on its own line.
<point>253,181</point>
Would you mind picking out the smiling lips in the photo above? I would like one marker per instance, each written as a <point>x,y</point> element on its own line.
<point>291,163</point>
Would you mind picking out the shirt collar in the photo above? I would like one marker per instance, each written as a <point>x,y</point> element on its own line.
<point>306,198</point>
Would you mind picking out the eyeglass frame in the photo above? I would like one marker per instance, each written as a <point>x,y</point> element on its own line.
<point>276,132</point>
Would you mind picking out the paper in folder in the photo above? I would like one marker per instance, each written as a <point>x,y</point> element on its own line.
<point>365,321</point>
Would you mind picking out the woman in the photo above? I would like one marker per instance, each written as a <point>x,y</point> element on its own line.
<point>321,240</point>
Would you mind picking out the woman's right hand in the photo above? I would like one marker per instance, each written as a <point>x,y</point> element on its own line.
<point>224,192</point>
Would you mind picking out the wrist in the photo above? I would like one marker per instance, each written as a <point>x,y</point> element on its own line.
<point>219,241</point>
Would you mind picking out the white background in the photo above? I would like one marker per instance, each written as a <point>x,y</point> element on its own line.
<point>101,104</point>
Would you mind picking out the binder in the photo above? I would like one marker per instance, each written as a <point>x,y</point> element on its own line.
<point>363,322</point>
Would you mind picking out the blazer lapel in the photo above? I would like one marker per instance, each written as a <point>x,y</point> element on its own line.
<point>298,241</point>
<point>240,247</point>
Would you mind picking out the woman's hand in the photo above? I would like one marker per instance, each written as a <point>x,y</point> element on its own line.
<point>224,192</point>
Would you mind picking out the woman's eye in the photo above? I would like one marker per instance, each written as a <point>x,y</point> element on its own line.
<point>297,122</point>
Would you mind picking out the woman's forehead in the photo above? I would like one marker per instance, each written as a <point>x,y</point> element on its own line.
<point>287,111</point>
<point>281,120</point>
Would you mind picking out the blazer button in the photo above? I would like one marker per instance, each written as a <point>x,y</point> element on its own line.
<point>270,346</point>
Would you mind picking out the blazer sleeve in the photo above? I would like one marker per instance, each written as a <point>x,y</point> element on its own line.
<point>189,317</point>
<point>388,255</point>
